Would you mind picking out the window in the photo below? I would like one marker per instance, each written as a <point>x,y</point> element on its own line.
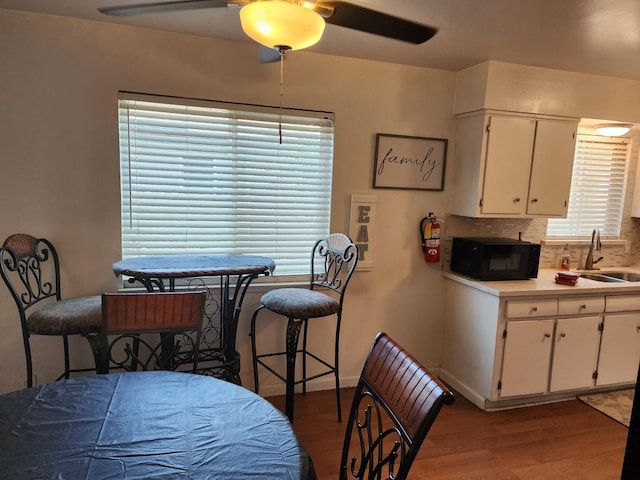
<point>597,188</point>
<point>209,177</point>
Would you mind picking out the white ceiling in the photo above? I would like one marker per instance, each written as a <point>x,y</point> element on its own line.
<point>590,36</point>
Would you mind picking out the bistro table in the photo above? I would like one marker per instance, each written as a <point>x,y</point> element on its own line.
<point>218,355</point>
<point>143,425</point>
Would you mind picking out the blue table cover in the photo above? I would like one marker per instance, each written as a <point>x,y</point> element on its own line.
<point>146,425</point>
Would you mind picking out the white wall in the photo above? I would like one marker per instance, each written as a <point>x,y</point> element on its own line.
<point>59,80</point>
<point>522,88</point>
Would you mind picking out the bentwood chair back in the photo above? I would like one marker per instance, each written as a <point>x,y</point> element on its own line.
<point>395,403</point>
<point>333,261</point>
<point>153,331</point>
<point>30,269</point>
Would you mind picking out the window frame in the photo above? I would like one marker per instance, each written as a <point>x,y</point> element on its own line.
<point>588,145</point>
<point>260,139</point>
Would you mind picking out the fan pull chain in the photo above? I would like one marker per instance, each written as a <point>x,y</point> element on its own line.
<point>282,52</point>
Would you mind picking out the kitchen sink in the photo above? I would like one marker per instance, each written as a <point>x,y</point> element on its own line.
<point>612,276</point>
<point>598,277</point>
<point>626,276</point>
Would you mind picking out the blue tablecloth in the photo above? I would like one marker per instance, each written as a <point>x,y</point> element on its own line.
<point>146,425</point>
<point>181,266</point>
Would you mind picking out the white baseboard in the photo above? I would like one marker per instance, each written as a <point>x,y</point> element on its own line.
<point>462,389</point>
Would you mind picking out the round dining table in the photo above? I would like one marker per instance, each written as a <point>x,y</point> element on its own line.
<point>146,425</point>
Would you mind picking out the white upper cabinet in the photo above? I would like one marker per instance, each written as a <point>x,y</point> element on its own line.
<point>512,165</point>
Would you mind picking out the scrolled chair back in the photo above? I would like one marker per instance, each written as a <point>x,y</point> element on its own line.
<point>395,404</point>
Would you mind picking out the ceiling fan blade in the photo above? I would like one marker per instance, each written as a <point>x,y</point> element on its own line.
<point>366,20</point>
<point>159,7</point>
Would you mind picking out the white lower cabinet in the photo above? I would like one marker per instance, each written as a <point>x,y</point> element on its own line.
<point>619,349</point>
<point>527,353</point>
<point>575,353</point>
<point>504,352</point>
<point>543,356</point>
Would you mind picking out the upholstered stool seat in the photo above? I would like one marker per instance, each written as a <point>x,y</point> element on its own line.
<point>72,316</point>
<point>300,303</point>
<point>333,261</point>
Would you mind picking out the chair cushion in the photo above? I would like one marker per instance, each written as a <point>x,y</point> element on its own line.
<point>299,303</point>
<point>71,316</point>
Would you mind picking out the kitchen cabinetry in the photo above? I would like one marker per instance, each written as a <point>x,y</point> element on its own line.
<point>527,353</point>
<point>510,165</point>
<point>575,353</point>
<point>521,349</point>
<point>548,354</point>
<point>620,345</point>
<point>553,354</point>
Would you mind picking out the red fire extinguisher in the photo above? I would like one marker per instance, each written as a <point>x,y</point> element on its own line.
<point>430,233</point>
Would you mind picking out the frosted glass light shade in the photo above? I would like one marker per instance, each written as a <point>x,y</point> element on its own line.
<point>279,23</point>
<point>613,129</point>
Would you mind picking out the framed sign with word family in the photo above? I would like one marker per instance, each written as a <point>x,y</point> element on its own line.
<point>362,223</point>
<point>414,163</point>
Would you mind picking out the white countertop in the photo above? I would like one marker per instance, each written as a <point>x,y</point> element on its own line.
<point>545,284</point>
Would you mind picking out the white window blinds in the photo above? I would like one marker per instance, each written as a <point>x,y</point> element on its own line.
<point>597,188</point>
<point>205,177</point>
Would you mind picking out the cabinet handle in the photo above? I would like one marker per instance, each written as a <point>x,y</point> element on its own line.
<point>547,335</point>
<point>516,200</point>
<point>534,309</point>
<point>534,200</point>
<point>563,335</point>
<point>583,306</point>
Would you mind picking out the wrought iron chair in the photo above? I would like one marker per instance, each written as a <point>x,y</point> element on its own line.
<point>395,403</point>
<point>333,261</point>
<point>30,268</point>
<point>175,316</point>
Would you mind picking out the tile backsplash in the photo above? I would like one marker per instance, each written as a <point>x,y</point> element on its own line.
<point>535,230</point>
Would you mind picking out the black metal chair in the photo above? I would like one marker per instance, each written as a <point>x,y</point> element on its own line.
<point>333,261</point>
<point>395,403</point>
<point>134,320</point>
<point>30,268</point>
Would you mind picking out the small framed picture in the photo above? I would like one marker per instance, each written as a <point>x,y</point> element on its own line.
<point>414,163</point>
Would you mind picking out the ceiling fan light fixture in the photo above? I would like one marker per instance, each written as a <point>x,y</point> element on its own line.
<point>281,24</point>
<point>613,129</point>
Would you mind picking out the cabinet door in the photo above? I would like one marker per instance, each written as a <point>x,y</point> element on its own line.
<point>526,359</point>
<point>575,353</point>
<point>619,349</point>
<point>551,168</point>
<point>507,165</point>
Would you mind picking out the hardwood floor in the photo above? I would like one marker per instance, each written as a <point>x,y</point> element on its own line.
<point>559,441</point>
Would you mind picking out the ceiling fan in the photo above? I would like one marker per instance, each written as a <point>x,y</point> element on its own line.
<point>343,14</point>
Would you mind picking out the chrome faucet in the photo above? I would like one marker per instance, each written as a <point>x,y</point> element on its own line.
<point>595,245</point>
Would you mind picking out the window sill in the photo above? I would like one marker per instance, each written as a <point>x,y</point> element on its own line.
<point>585,242</point>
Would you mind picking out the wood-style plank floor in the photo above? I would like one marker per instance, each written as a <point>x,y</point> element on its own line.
<point>560,441</point>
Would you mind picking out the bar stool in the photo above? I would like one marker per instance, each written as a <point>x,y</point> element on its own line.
<point>333,261</point>
<point>30,268</point>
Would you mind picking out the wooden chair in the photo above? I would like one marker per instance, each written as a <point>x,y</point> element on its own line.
<point>134,319</point>
<point>395,403</point>
<point>30,269</point>
<point>333,261</point>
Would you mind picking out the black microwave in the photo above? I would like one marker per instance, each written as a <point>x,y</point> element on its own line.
<point>495,258</point>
